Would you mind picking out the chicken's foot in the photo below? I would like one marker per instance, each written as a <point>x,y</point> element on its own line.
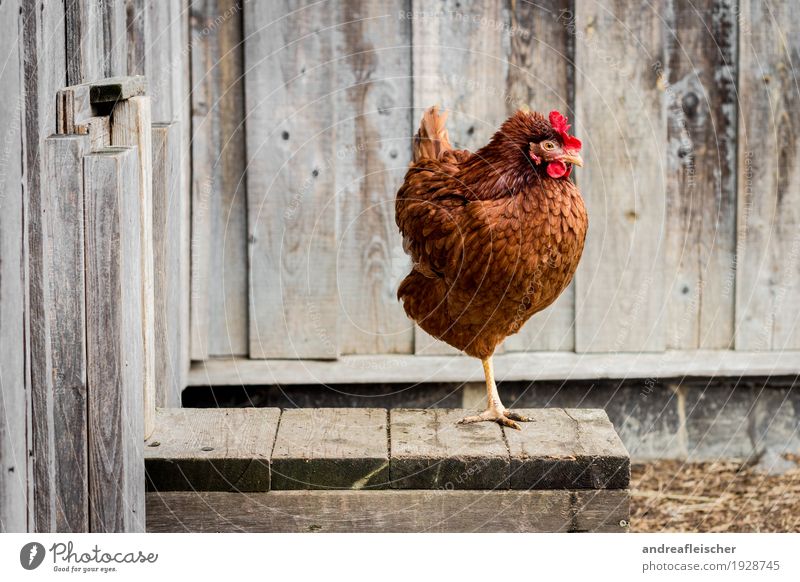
<point>495,411</point>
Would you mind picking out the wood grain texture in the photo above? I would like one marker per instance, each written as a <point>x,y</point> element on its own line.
<point>65,331</point>
<point>219,223</point>
<point>331,448</point>
<point>211,449</point>
<point>84,41</point>
<point>621,117</point>
<point>294,308</point>
<point>168,289</point>
<point>372,129</point>
<point>428,450</point>
<point>14,396</point>
<point>567,449</point>
<point>115,343</point>
<point>114,19</point>
<point>131,126</point>
<point>768,243</point>
<point>44,73</point>
<point>540,75</point>
<point>508,367</point>
<point>463,66</point>
<point>701,178</point>
<point>138,26</point>
<point>388,511</point>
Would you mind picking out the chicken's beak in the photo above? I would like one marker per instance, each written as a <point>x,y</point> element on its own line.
<point>573,158</point>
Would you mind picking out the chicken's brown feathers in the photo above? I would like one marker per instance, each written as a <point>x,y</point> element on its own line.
<point>431,140</point>
<point>492,239</point>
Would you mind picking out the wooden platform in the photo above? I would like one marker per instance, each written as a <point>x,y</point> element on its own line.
<point>378,470</point>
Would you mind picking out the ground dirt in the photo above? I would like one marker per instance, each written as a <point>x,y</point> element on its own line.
<point>673,496</point>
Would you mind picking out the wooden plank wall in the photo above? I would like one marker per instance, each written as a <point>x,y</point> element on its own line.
<point>44,72</point>
<point>700,87</point>
<point>768,244</point>
<point>290,86</point>
<point>219,222</point>
<point>372,120</point>
<point>14,398</point>
<point>116,347</point>
<point>650,89</point>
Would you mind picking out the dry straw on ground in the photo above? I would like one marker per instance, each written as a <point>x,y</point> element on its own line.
<point>673,496</point>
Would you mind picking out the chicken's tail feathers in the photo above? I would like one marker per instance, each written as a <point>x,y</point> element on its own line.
<point>431,139</point>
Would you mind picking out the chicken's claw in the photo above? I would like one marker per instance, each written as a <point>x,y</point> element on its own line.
<point>504,418</point>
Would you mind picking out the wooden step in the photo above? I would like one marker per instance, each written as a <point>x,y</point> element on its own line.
<point>262,449</point>
<point>372,469</point>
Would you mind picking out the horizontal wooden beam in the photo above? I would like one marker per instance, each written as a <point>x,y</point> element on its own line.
<point>389,511</point>
<point>262,449</point>
<point>508,367</point>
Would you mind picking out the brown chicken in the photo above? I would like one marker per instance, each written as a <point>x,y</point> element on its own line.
<point>495,236</point>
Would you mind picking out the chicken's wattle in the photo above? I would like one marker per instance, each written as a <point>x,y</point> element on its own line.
<point>557,169</point>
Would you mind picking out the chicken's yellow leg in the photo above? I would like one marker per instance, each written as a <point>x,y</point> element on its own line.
<point>495,411</point>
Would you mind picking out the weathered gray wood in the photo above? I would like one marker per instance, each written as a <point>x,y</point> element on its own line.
<point>44,73</point>
<point>388,511</point>
<point>64,325</point>
<point>138,33</point>
<point>510,366</point>
<point>768,245</point>
<point>14,398</point>
<point>428,450</point>
<point>294,307</point>
<point>99,132</point>
<point>84,41</point>
<point>131,126</point>
<point>169,291</point>
<point>540,76</point>
<point>113,14</point>
<point>116,349</point>
<point>78,105</point>
<point>331,448</point>
<point>601,511</point>
<point>373,151</point>
<point>185,118</point>
<point>211,449</point>
<point>701,174</point>
<point>159,55</point>
<point>115,89</point>
<point>567,449</point>
<point>219,234</point>
<point>619,284</point>
<point>462,66</point>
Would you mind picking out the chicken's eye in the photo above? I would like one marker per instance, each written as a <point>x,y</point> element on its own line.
<point>549,146</point>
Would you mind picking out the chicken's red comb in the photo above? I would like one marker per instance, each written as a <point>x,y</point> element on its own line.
<point>559,123</point>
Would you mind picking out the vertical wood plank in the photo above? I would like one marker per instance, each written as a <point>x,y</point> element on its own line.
<point>138,33</point>
<point>701,177</point>
<point>540,74</point>
<point>185,117</point>
<point>62,221</point>
<point>44,74</point>
<point>13,393</point>
<point>768,245</point>
<point>114,18</point>
<point>291,180</point>
<point>168,285</point>
<point>373,151</point>
<point>84,41</point>
<point>115,346</point>
<point>461,65</point>
<point>158,58</point>
<point>131,126</point>
<point>219,280</point>
<point>619,283</point>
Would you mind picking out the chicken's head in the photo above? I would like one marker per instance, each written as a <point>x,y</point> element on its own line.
<point>551,146</point>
